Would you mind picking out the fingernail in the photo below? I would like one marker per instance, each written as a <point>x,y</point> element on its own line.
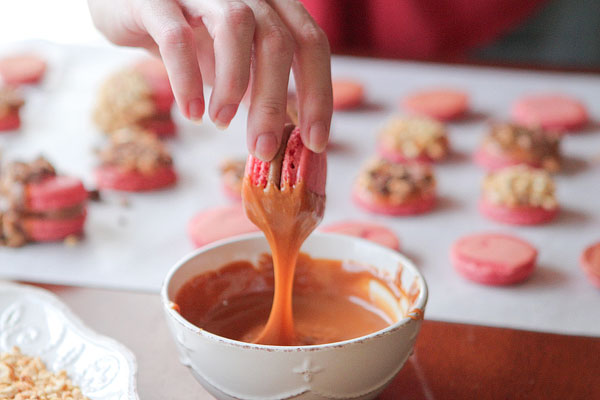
<point>225,115</point>
<point>196,110</point>
<point>317,137</point>
<point>266,146</point>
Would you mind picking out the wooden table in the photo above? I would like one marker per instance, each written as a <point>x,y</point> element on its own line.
<point>451,361</point>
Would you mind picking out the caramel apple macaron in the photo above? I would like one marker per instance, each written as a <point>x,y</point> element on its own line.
<point>443,104</point>
<point>519,195</point>
<point>21,69</point>
<point>550,111</point>
<point>135,161</point>
<point>41,205</point>
<point>384,187</point>
<point>232,177</point>
<point>413,139</point>
<point>137,96</point>
<point>510,144</point>
<point>10,105</point>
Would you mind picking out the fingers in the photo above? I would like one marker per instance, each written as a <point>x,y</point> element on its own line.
<point>312,73</point>
<point>233,37</point>
<point>274,50</point>
<point>166,24</point>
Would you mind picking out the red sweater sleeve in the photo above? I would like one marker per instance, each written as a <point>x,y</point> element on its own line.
<point>417,29</point>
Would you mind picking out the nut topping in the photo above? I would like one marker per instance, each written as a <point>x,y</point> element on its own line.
<point>10,101</point>
<point>415,137</point>
<point>520,186</point>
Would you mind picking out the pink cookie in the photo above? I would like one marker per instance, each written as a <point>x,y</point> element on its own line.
<point>522,215</point>
<point>413,207</point>
<point>494,162</point>
<point>442,104</point>
<point>590,263</point>
<point>219,223</point>
<point>550,111</point>
<point>366,230</point>
<point>22,69</point>
<point>347,94</point>
<point>493,259</point>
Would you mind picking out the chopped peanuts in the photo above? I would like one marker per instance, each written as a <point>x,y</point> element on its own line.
<point>415,137</point>
<point>26,378</point>
<point>520,186</point>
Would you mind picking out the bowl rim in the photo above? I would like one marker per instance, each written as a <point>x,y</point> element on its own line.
<point>420,303</point>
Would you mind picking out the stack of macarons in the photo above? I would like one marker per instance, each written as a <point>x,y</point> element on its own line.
<point>135,161</point>
<point>138,96</point>
<point>41,205</point>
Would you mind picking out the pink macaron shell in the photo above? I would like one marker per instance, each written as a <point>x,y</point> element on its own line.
<point>494,162</point>
<point>396,156</point>
<point>161,126</point>
<point>550,111</point>
<point>347,94</point>
<point>219,223</point>
<point>366,230</point>
<point>155,73</point>
<point>232,194</point>
<point>415,207</point>
<point>54,193</point>
<point>590,263</point>
<point>115,178</point>
<point>517,215</point>
<point>10,122</point>
<point>49,230</point>
<point>440,104</point>
<point>493,259</point>
<point>22,69</point>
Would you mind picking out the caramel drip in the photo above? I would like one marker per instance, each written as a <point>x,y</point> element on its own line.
<point>286,216</point>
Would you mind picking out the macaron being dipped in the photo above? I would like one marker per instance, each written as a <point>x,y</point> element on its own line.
<point>10,104</point>
<point>219,223</point>
<point>440,104</point>
<point>413,139</point>
<point>590,263</point>
<point>21,69</point>
<point>550,111</point>
<point>135,161</point>
<point>509,144</point>
<point>519,195</point>
<point>347,94</point>
<point>43,206</point>
<point>365,230</point>
<point>493,259</point>
<point>383,187</point>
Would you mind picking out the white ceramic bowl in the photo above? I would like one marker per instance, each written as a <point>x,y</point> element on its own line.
<point>354,369</point>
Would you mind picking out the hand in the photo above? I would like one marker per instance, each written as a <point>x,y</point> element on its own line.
<point>233,45</point>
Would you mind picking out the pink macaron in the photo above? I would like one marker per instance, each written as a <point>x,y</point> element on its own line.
<point>493,259</point>
<point>365,230</point>
<point>441,104</point>
<point>550,111</point>
<point>520,215</point>
<point>348,94</point>
<point>590,263</point>
<point>20,69</point>
<point>219,223</point>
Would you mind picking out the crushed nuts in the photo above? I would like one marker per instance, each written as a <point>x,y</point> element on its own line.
<point>10,101</point>
<point>415,137</point>
<point>520,186</point>
<point>531,146</point>
<point>232,172</point>
<point>133,149</point>
<point>26,378</point>
<point>125,99</point>
<point>396,183</point>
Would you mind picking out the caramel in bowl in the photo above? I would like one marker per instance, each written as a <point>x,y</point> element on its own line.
<point>388,304</point>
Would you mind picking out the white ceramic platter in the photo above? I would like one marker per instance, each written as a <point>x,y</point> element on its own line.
<point>41,325</point>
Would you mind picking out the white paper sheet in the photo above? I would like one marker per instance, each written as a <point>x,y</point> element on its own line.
<point>132,247</point>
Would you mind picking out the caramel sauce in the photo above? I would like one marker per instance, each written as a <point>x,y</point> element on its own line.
<point>286,216</point>
<point>332,301</point>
